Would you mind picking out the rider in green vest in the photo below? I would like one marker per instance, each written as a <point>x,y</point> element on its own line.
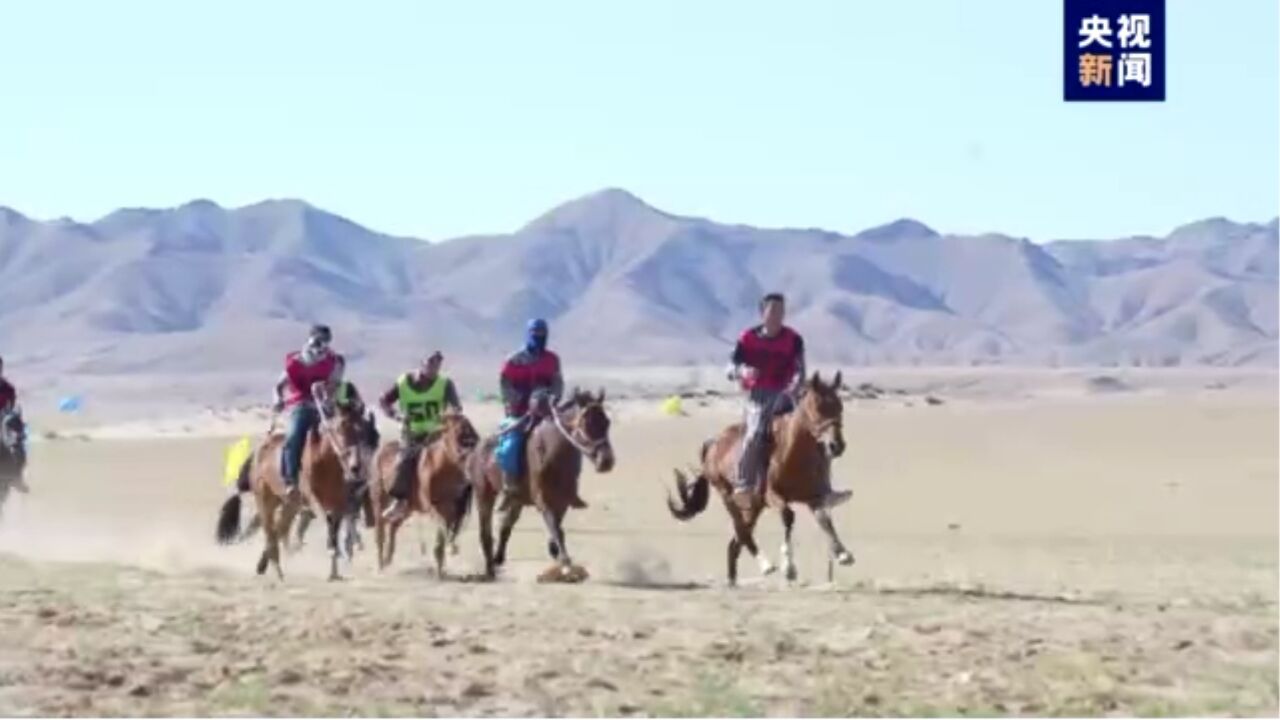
<point>417,400</point>
<point>348,398</point>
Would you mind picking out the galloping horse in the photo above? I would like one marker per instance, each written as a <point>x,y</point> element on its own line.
<point>799,472</point>
<point>554,450</point>
<point>13,456</point>
<point>439,487</point>
<point>332,475</point>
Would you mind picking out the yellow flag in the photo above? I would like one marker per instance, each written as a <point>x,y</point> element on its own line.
<point>672,405</point>
<point>236,455</point>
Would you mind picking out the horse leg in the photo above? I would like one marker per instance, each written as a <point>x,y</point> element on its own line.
<point>745,529</point>
<point>350,519</point>
<point>391,539</point>
<point>304,521</point>
<point>485,510</point>
<point>271,539</point>
<point>509,520</point>
<point>556,540</point>
<point>287,515</point>
<point>788,559</point>
<point>380,539</point>
<point>735,549</point>
<point>334,521</point>
<point>441,541</point>
<point>838,551</point>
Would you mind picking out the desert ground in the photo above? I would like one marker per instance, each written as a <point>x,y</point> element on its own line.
<point>1033,544</point>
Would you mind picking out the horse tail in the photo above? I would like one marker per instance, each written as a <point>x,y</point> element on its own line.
<point>693,496</point>
<point>706,450</point>
<point>229,521</point>
<point>229,517</point>
<point>242,480</point>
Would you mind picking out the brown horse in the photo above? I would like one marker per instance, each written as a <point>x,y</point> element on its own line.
<point>332,476</point>
<point>439,489</point>
<point>799,472</point>
<point>553,462</point>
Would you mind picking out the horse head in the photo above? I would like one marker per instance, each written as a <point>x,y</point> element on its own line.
<point>458,435</point>
<point>821,407</point>
<point>349,435</point>
<point>589,429</point>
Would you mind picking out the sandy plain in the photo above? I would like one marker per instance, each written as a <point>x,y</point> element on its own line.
<point>1035,544</point>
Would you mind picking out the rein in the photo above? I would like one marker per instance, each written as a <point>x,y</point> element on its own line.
<point>326,428</point>
<point>817,426</point>
<point>588,449</point>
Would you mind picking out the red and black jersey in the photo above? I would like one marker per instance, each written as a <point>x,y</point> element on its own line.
<point>525,372</point>
<point>776,359</point>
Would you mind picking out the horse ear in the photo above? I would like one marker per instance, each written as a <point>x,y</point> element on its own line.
<point>816,379</point>
<point>836,383</point>
<point>601,399</point>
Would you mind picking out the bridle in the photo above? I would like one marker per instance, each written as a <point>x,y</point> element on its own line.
<point>331,434</point>
<point>818,425</point>
<point>588,447</point>
<point>458,446</point>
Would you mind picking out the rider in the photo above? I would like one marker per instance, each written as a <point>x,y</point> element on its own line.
<point>314,367</point>
<point>416,400</point>
<point>9,414</point>
<point>768,360</point>
<point>347,397</point>
<point>530,378</point>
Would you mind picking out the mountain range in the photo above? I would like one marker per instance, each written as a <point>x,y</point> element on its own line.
<point>205,288</point>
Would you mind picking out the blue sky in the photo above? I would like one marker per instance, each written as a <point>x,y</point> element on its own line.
<point>438,119</point>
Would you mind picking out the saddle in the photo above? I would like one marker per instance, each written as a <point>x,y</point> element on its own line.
<point>511,454</point>
<point>313,435</point>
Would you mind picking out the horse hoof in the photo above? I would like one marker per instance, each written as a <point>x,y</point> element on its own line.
<point>791,573</point>
<point>844,558</point>
<point>563,574</point>
<point>766,567</point>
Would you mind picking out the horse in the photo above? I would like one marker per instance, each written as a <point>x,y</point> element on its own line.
<point>799,472</point>
<point>334,463</point>
<point>13,455</point>
<point>440,488</point>
<point>553,456</point>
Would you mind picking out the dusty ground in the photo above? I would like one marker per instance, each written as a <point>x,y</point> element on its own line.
<point>1065,552</point>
